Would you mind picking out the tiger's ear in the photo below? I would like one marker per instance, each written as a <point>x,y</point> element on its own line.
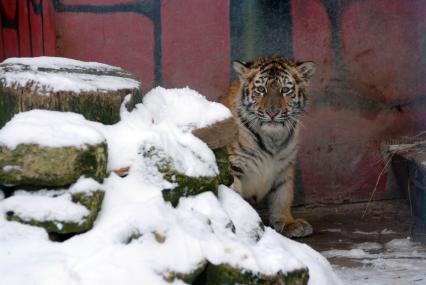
<point>240,68</point>
<point>306,69</point>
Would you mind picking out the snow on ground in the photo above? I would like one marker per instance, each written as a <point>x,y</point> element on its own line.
<point>165,239</point>
<point>22,71</point>
<point>358,232</point>
<point>397,262</point>
<point>49,129</point>
<point>383,232</point>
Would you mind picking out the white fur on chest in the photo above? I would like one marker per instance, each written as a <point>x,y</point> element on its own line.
<point>258,181</point>
<point>259,177</point>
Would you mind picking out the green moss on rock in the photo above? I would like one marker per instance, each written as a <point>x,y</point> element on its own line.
<point>222,160</point>
<point>184,185</point>
<point>99,107</point>
<point>224,274</point>
<point>9,105</point>
<point>30,164</point>
<point>187,186</point>
<point>92,201</point>
<point>186,277</point>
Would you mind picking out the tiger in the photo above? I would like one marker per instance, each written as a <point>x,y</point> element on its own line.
<point>267,101</point>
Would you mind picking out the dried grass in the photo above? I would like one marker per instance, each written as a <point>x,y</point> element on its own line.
<point>390,148</point>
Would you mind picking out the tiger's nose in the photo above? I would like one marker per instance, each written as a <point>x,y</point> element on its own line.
<point>272,114</point>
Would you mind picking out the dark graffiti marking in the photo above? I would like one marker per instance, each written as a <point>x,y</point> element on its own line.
<point>149,9</point>
<point>340,91</point>
<point>335,11</point>
<point>8,23</point>
<point>260,27</point>
<point>12,22</point>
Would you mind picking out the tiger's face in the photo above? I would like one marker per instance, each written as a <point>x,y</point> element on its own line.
<point>273,90</point>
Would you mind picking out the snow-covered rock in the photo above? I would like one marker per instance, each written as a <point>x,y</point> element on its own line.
<point>53,83</point>
<point>185,108</point>
<point>49,129</point>
<point>63,211</point>
<point>139,238</point>
<point>50,149</point>
<point>53,74</point>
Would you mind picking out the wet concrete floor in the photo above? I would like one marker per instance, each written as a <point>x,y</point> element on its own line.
<point>386,246</point>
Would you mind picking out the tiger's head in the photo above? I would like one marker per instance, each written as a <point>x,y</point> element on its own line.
<point>273,90</point>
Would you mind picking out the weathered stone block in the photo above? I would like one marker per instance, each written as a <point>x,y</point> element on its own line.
<point>188,278</point>
<point>36,166</point>
<point>52,83</point>
<point>224,274</point>
<point>92,201</point>
<point>185,185</point>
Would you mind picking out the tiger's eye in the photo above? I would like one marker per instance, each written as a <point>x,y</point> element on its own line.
<point>285,90</point>
<point>260,89</point>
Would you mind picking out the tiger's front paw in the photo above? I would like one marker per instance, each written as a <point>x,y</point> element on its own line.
<point>295,228</point>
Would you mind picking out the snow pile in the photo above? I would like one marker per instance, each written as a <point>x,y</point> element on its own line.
<point>53,74</point>
<point>49,129</point>
<point>185,108</point>
<point>188,154</point>
<point>165,120</point>
<point>140,239</point>
<point>48,205</point>
<point>196,231</point>
<point>51,205</point>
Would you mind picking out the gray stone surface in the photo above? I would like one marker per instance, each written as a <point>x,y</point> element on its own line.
<point>36,166</point>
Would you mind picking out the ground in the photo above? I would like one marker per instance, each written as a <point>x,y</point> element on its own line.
<point>387,246</point>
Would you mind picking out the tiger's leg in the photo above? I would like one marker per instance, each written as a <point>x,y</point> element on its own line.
<point>280,201</point>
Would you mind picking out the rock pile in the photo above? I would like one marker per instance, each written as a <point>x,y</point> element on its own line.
<point>53,164</point>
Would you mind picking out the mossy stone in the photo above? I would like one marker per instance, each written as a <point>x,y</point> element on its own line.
<point>8,105</point>
<point>104,108</point>
<point>224,274</point>
<point>96,105</point>
<point>186,277</point>
<point>92,201</point>
<point>187,186</point>
<point>222,160</point>
<point>184,185</point>
<point>36,166</point>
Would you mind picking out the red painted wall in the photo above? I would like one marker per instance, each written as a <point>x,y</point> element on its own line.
<point>121,39</point>
<point>196,45</point>
<point>27,28</point>
<point>194,34</point>
<point>370,56</point>
<point>374,93</point>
